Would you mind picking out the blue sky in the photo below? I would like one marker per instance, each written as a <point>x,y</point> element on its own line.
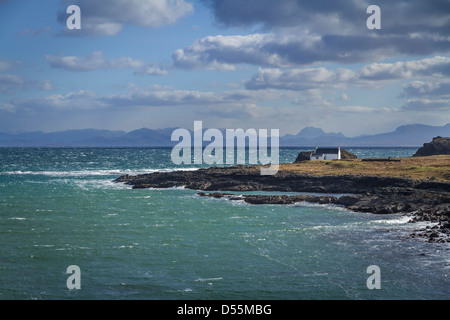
<point>259,64</point>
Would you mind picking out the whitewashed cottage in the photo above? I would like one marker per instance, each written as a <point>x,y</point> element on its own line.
<point>326,154</point>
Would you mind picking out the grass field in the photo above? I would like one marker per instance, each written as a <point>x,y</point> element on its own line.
<point>423,168</point>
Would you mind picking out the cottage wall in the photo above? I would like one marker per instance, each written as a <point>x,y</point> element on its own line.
<point>326,156</point>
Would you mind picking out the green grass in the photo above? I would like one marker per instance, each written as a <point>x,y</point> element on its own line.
<point>421,168</point>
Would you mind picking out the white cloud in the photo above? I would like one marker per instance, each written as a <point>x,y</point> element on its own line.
<point>108,17</point>
<point>80,100</point>
<point>337,16</point>
<point>344,97</point>
<point>299,79</point>
<point>363,109</point>
<point>287,48</point>
<point>151,70</point>
<point>422,88</point>
<point>436,66</point>
<point>96,61</point>
<point>147,97</point>
<point>92,62</point>
<point>224,52</point>
<point>427,96</point>
<point>372,75</point>
<point>427,105</point>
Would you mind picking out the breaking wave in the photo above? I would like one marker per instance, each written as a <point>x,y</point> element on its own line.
<point>94,172</point>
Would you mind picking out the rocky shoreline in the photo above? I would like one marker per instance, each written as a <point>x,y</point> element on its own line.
<point>424,200</point>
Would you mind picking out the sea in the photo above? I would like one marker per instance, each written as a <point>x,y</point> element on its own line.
<point>59,207</point>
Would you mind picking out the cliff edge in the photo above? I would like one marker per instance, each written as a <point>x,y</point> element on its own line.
<point>438,146</point>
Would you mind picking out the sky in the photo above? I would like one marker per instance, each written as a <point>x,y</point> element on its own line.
<point>262,64</point>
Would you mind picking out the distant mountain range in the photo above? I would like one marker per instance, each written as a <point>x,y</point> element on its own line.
<point>413,135</point>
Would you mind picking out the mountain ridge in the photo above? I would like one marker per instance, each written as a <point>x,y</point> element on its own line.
<point>410,135</point>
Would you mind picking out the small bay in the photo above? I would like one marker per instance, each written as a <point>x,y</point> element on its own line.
<point>60,207</point>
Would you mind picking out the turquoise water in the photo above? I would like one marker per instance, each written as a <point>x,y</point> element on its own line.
<point>59,207</point>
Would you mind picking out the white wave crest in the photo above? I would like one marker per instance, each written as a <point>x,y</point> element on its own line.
<point>399,220</point>
<point>94,172</point>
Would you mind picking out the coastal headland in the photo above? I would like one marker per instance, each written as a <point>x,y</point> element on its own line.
<point>419,186</point>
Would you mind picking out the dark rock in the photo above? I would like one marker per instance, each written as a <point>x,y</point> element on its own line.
<point>347,155</point>
<point>438,146</point>
<point>434,235</point>
<point>303,156</point>
<point>272,199</point>
<point>445,225</point>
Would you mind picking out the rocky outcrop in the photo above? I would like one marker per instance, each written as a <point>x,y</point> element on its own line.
<point>248,178</point>
<point>347,155</point>
<point>438,146</point>
<point>303,156</point>
<point>426,200</point>
<point>272,199</point>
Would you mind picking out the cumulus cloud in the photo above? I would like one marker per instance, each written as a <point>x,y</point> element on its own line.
<point>426,96</point>
<point>333,17</point>
<point>436,66</point>
<point>298,79</point>
<point>285,13</point>
<point>303,32</point>
<point>96,61</point>
<point>299,49</point>
<point>274,50</point>
<point>73,63</point>
<point>427,89</point>
<point>223,52</point>
<point>371,75</point>
<point>102,17</point>
<point>427,105</point>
